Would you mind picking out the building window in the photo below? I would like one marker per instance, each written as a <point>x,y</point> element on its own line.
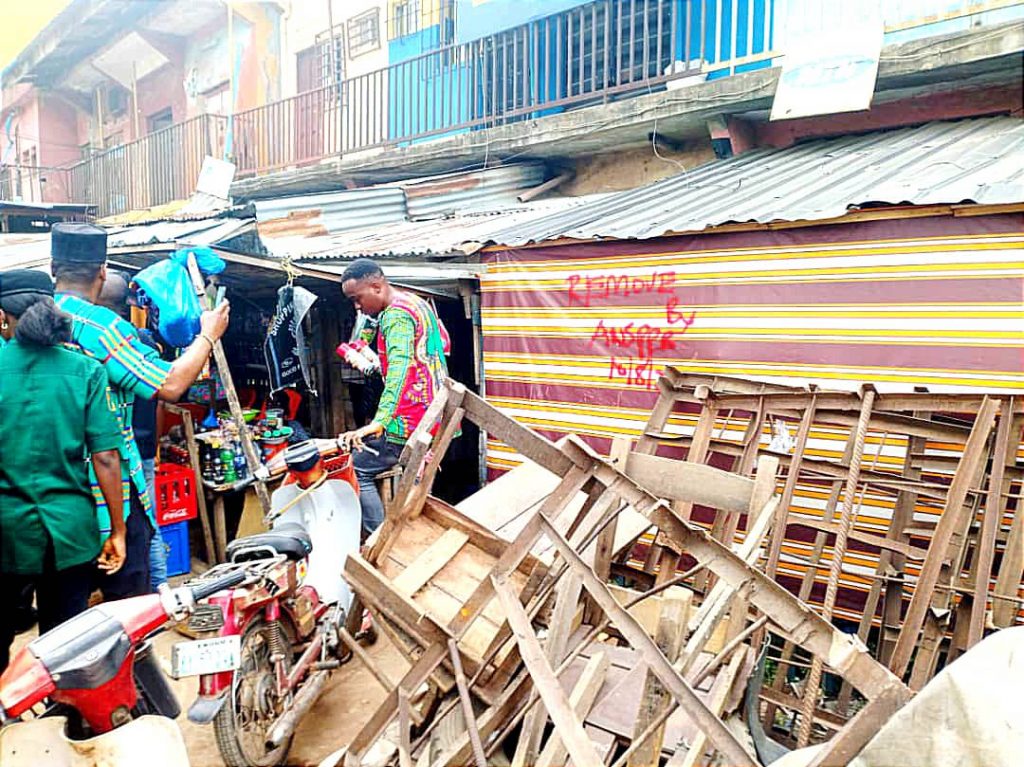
<point>405,18</point>
<point>331,65</point>
<point>116,101</point>
<point>363,32</point>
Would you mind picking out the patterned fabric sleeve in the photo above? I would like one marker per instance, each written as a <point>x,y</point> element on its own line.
<point>399,336</point>
<point>131,364</point>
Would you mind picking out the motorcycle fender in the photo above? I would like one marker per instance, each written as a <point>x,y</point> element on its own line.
<point>204,708</point>
<point>151,740</point>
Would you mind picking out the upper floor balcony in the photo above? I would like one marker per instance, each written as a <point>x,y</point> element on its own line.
<point>596,53</point>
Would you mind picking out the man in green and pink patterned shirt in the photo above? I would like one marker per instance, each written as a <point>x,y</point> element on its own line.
<point>412,344</point>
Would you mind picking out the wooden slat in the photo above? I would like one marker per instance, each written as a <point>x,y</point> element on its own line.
<point>695,753</point>
<point>582,697</point>
<point>580,749</point>
<point>693,482</point>
<point>437,555</point>
<point>938,549</point>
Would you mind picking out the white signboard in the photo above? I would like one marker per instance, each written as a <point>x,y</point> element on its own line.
<point>830,69</point>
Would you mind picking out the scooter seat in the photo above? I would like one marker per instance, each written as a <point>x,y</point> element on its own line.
<point>288,539</point>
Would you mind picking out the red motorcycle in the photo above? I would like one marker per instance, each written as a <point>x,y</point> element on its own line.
<point>267,647</point>
<point>109,701</point>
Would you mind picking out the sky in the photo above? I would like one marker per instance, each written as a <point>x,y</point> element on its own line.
<point>22,21</point>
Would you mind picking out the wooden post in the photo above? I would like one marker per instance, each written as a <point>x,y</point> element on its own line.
<point>669,639</point>
<point>234,405</point>
<point>197,470</point>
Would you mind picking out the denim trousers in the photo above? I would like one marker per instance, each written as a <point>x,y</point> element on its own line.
<point>157,550</point>
<point>367,466</point>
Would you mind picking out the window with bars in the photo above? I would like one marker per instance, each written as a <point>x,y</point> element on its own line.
<point>363,32</point>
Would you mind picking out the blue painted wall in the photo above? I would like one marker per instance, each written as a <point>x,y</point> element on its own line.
<point>480,18</point>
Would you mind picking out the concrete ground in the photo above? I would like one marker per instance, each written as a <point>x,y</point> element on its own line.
<point>349,699</point>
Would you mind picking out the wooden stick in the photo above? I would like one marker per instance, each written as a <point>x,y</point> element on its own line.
<point>580,749</point>
<point>669,639</point>
<point>582,699</point>
<point>467,704</point>
<point>721,737</point>
<point>234,406</point>
<point>695,753</point>
<point>1004,612</point>
<point>404,755</point>
<point>193,457</point>
<point>726,651</point>
<point>835,571</point>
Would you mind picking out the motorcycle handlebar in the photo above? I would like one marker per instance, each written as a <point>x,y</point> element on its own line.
<point>204,590</point>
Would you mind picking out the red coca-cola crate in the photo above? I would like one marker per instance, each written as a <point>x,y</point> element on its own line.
<point>176,490</point>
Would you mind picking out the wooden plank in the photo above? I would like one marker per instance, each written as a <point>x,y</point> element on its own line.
<point>647,611</point>
<point>386,711</point>
<point>721,737</point>
<point>697,483</point>
<point>871,539</point>
<point>604,551</point>
<point>669,639</point>
<point>695,753</point>
<point>848,742</point>
<point>440,553</point>
<point>559,629</point>
<point>452,424</point>
<point>792,479</point>
<point>717,603</point>
<point>570,728</point>
<point>404,723</point>
<point>581,699</point>
<point>938,549</point>
<point>193,457</point>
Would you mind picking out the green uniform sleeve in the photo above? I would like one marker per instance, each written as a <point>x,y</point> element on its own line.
<point>101,428</point>
<point>399,336</point>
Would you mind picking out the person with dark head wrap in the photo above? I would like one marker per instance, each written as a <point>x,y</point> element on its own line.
<point>57,418</point>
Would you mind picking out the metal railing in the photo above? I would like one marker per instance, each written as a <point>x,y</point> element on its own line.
<point>153,170</point>
<point>593,53</point>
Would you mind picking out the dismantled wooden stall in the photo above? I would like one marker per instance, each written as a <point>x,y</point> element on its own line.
<point>518,616</point>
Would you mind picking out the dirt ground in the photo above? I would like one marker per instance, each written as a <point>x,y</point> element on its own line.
<point>348,700</point>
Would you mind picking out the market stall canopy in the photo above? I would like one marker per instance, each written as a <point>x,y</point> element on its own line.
<point>968,161</point>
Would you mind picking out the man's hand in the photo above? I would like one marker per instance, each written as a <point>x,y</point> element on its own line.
<point>353,440</point>
<point>112,554</point>
<point>214,323</point>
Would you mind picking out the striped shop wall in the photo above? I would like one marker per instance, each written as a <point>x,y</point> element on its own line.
<point>575,337</point>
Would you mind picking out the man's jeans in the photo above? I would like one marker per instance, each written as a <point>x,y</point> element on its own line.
<point>367,466</point>
<point>157,550</point>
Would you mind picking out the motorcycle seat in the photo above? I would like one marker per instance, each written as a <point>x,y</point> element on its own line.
<point>289,539</point>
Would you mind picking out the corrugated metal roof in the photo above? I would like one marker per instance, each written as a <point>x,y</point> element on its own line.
<point>208,232</point>
<point>456,235</point>
<point>315,215</point>
<point>472,192</point>
<point>976,160</point>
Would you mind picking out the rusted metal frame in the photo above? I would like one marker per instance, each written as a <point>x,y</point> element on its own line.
<point>938,549</point>
<point>719,735</point>
<point>846,519</point>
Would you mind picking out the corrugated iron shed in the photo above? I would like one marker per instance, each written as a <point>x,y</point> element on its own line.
<point>471,192</point>
<point>288,220</point>
<point>316,215</point>
<point>977,160</point>
<point>207,232</point>
<point>453,236</point>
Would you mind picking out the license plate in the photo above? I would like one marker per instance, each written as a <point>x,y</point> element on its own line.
<point>206,656</point>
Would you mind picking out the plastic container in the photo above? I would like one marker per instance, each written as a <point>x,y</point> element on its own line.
<point>179,557</point>
<point>176,499</point>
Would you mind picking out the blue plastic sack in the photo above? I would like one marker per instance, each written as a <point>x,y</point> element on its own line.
<point>166,286</point>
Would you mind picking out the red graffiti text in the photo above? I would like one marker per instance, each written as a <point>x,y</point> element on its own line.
<point>585,290</point>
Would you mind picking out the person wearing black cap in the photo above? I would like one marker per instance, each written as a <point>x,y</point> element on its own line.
<point>55,413</point>
<point>79,254</point>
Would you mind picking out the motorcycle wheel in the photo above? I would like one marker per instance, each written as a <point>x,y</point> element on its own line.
<point>242,724</point>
